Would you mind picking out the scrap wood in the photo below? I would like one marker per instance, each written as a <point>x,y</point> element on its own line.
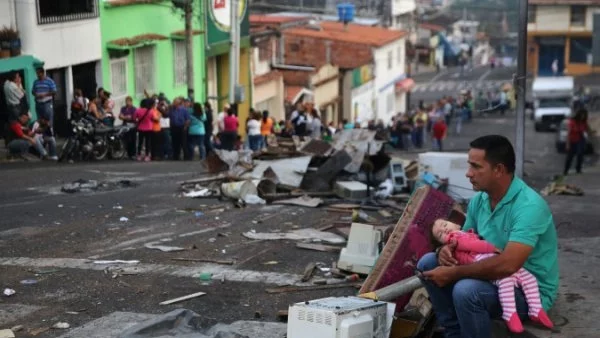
<point>290,289</point>
<point>318,247</point>
<point>282,315</point>
<point>556,188</point>
<point>309,271</point>
<point>205,260</point>
<point>293,194</point>
<point>180,299</point>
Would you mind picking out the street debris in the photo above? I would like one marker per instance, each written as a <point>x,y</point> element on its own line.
<point>164,248</point>
<point>82,185</point>
<point>29,282</point>
<point>290,289</point>
<point>118,261</point>
<point>303,201</point>
<point>318,247</point>
<point>296,235</point>
<point>205,260</point>
<point>61,325</point>
<point>9,292</point>
<point>181,299</point>
<point>559,188</point>
<point>123,219</point>
<point>7,333</point>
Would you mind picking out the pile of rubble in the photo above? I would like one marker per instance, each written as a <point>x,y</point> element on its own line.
<point>354,167</point>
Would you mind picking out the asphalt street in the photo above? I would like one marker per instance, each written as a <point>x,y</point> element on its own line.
<point>54,238</point>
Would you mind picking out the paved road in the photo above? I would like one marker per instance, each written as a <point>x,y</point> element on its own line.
<point>54,238</point>
<point>430,86</point>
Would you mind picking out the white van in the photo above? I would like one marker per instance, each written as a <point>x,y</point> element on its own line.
<point>553,97</point>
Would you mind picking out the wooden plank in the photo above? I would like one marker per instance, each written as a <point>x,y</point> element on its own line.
<point>180,299</point>
<point>319,247</point>
<point>290,289</point>
<point>204,260</point>
<point>309,271</point>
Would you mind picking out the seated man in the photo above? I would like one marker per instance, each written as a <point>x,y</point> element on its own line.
<point>513,217</point>
<point>20,138</point>
<point>44,134</point>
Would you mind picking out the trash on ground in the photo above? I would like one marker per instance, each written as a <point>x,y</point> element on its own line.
<point>118,261</point>
<point>558,188</point>
<point>17,328</point>
<point>93,185</point>
<point>181,299</point>
<point>271,263</point>
<point>9,292</point>
<point>318,247</point>
<point>296,235</point>
<point>205,260</point>
<point>164,248</point>
<point>61,325</point>
<point>291,289</point>
<point>29,282</point>
<point>303,201</point>
<point>7,333</point>
<point>123,219</point>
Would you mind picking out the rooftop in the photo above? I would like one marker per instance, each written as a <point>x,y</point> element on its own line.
<point>431,27</point>
<point>268,19</point>
<point>352,33</point>
<point>564,2</point>
<point>323,17</point>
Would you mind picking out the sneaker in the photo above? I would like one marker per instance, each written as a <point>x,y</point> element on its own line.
<point>53,158</point>
<point>147,159</point>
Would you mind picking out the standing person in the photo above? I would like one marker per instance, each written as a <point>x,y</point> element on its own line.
<point>43,90</point>
<point>419,130</point>
<point>515,219</point>
<point>316,125</point>
<point>554,67</point>
<point>577,129</point>
<point>208,127</point>
<point>439,130</point>
<point>197,132</point>
<point>179,118</point>
<point>157,139</point>
<point>14,94</point>
<point>299,123</point>
<point>266,126</point>
<point>127,115</point>
<point>165,128</point>
<point>254,132</point>
<point>143,117</point>
<point>229,136</point>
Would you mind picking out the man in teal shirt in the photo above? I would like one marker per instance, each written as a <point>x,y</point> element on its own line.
<point>513,217</point>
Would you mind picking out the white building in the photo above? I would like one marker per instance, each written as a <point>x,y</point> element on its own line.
<point>390,70</point>
<point>65,35</point>
<point>403,14</point>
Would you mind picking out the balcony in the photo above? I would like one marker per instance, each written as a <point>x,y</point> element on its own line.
<point>57,11</point>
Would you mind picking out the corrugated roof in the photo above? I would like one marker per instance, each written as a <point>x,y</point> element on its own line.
<point>272,19</point>
<point>352,33</point>
<point>431,27</point>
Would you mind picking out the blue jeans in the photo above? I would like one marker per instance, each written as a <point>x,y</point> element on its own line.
<point>45,110</point>
<point>167,146</point>
<point>196,140</point>
<point>466,308</point>
<point>255,142</point>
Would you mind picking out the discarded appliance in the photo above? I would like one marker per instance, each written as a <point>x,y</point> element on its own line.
<point>338,317</point>
<point>351,190</point>
<point>362,250</point>
<point>398,174</point>
<point>452,166</point>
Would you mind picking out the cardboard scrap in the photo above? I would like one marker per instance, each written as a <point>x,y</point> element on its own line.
<point>296,235</point>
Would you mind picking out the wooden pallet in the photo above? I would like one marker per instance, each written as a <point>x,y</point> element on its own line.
<point>410,240</point>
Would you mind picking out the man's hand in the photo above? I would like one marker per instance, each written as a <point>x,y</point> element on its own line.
<point>441,276</point>
<point>446,255</point>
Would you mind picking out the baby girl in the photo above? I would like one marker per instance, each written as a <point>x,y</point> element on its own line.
<point>470,248</point>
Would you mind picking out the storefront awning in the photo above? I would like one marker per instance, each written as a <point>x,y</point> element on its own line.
<point>405,85</point>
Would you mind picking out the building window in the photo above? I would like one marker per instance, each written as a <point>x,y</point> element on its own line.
<point>531,13</point>
<point>180,63</point>
<point>580,50</point>
<point>144,70</point>
<point>578,15</point>
<point>118,81</point>
<point>390,59</point>
<point>55,11</point>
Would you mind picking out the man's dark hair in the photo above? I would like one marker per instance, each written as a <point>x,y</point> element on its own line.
<point>12,76</point>
<point>498,150</point>
<point>40,70</point>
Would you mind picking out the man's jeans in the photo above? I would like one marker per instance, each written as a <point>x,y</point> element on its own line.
<point>21,146</point>
<point>466,308</point>
<point>45,110</point>
<point>42,142</point>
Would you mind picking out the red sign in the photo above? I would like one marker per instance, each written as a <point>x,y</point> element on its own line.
<point>219,4</point>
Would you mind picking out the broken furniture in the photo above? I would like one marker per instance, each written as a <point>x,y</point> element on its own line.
<point>409,241</point>
<point>338,317</point>
<point>362,250</point>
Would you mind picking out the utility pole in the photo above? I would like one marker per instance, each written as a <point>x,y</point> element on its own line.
<point>234,51</point>
<point>520,83</point>
<point>189,45</point>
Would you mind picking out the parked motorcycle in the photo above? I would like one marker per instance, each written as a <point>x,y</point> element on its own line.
<point>92,140</point>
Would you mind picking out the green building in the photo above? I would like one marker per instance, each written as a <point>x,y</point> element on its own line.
<point>143,48</point>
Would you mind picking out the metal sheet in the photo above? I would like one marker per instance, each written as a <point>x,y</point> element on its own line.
<point>289,172</point>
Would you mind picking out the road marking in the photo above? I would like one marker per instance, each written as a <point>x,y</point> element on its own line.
<point>218,272</point>
<point>484,76</point>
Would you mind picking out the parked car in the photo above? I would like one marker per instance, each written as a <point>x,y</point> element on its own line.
<point>561,139</point>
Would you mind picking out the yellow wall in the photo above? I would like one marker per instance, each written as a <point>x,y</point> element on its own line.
<point>223,85</point>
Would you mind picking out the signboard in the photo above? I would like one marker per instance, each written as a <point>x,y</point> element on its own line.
<point>362,75</point>
<point>219,20</point>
